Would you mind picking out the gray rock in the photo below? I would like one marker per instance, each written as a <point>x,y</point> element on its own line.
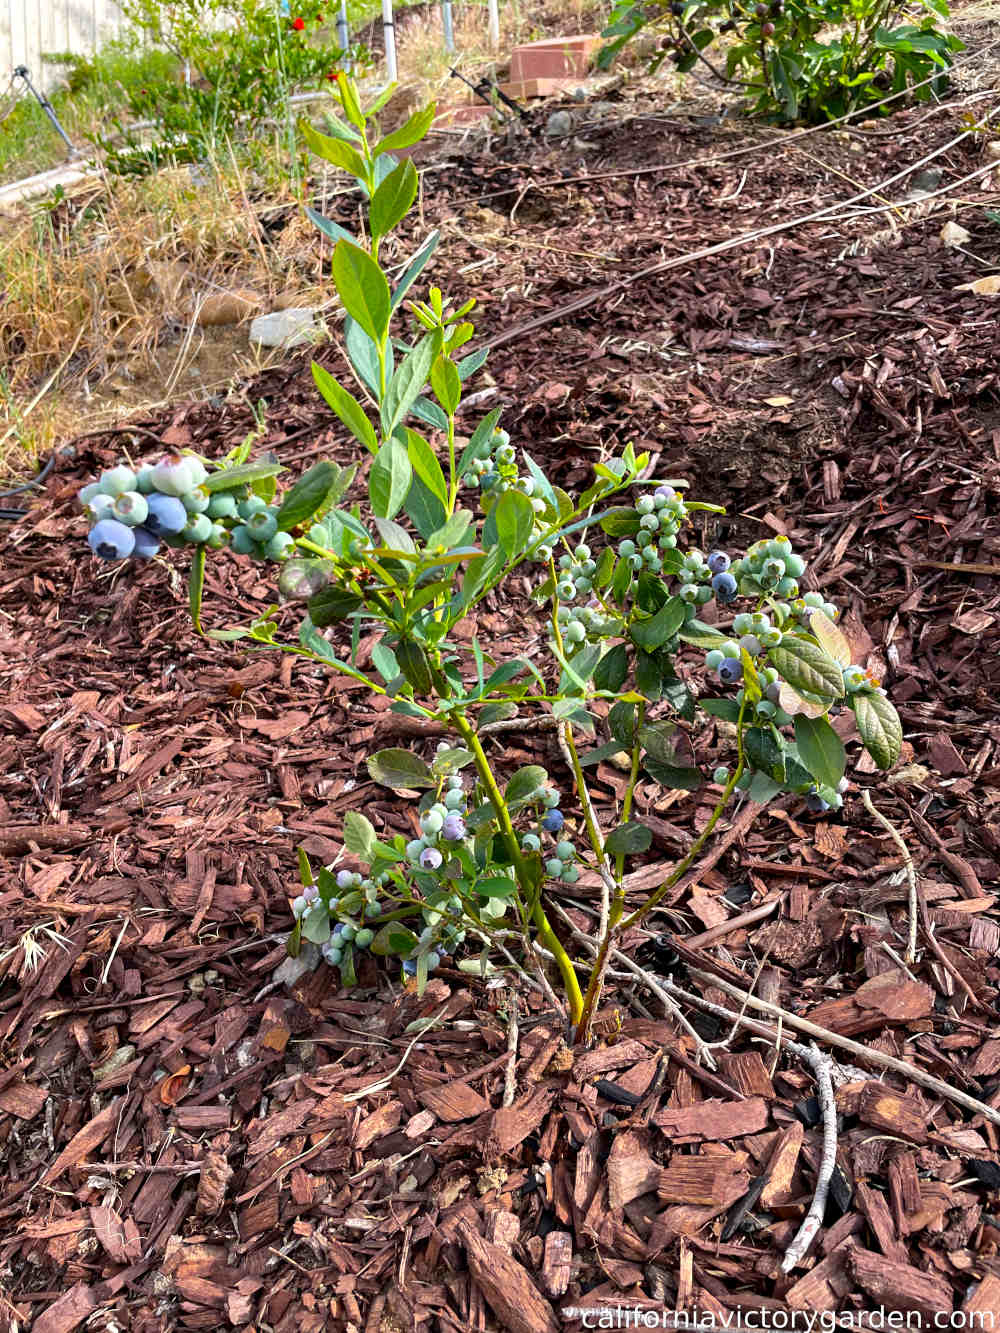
<point>294,969</point>
<point>926,182</point>
<point>558,124</point>
<point>284,328</point>
<point>579,94</point>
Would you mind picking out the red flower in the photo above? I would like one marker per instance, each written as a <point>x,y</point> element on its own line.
<point>319,18</point>
<point>298,24</point>
<point>333,76</point>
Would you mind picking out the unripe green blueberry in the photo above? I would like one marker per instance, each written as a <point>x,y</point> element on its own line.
<point>566,589</point>
<point>347,932</point>
<point>668,543</point>
<point>743,623</point>
<point>218,539</point>
<point>582,552</point>
<point>721,776</point>
<point>198,530</point>
<point>130,508</point>
<point>221,505</point>
<point>787,588</point>
<point>714,659</point>
<point>454,799</point>
<point>263,525</point>
<point>689,593</point>
<point>86,493</point>
<point>431,821</point>
<point>551,798</point>
<point>565,562</point>
<point>253,504</point>
<point>279,547</point>
<point>116,480</point>
<point>583,585</point>
<point>196,501</point>
<point>570,874</point>
<point>414,847</point>
<point>543,553</point>
<point>531,843</point>
<point>144,479</point>
<point>771,638</point>
<point>760,622</point>
<point>649,522</point>
<point>364,937</point>
<point>795,566</point>
<point>575,632</point>
<point>813,599</point>
<point>766,709</point>
<point>174,475</point>
<point>704,595</point>
<point>626,548</point>
<point>242,543</point>
<point>694,560</point>
<point>643,538</point>
<point>553,867</point>
<point>830,611</point>
<point>565,850</point>
<point>729,648</point>
<point>635,561</point>
<point>645,504</point>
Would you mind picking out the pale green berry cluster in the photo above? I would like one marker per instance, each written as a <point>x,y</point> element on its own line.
<point>574,579</point>
<point>497,472</point>
<point>859,681</point>
<point>257,535</point>
<point>769,567</point>
<point>661,516</point>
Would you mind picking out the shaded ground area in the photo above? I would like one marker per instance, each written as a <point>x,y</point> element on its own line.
<point>188,1142</point>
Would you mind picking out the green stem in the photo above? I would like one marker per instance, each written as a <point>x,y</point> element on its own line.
<point>633,778</point>
<point>546,935</point>
<point>684,865</point>
<point>453,480</point>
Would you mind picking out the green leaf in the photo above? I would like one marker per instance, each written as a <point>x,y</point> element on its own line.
<point>400,770</point>
<point>831,638</point>
<point>196,584</point>
<point>362,288</point>
<point>333,231</point>
<point>346,406</point>
<point>621,723</point>
<point>628,839</point>
<point>415,665</point>
<point>293,947</point>
<point>305,869</point>
<point>446,384</point>
<point>820,749</point>
<point>392,200</point>
<point>406,384</point>
<point>335,151</point>
<point>807,666</point>
<point>727,709</point>
<point>247,473</point>
<point>654,633</point>
<point>611,670</point>
<point>393,939</point>
<point>522,785</point>
<point>332,605</point>
<point>389,479</point>
<point>515,520</point>
<point>359,836</point>
<point>701,636</point>
<point>306,496</point>
<point>620,522</point>
<point>414,129</point>
<point>363,354</point>
<point>425,464</point>
<point>497,886</point>
<point>879,727</point>
<point>316,925</point>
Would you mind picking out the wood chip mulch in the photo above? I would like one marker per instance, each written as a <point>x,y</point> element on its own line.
<point>195,1133</point>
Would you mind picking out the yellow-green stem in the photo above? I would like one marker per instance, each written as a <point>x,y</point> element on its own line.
<point>546,935</point>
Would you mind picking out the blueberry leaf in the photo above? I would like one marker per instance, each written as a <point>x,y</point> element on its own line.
<point>196,583</point>
<point>359,836</point>
<point>628,839</point>
<point>879,727</point>
<point>806,666</point>
<point>400,770</point>
<point>820,749</point>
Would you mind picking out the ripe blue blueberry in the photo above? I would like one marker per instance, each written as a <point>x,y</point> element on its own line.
<point>553,821</point>
<point>166,515</point>
<point>146,544</point>
<point>730,670</point>
<point>724,586</point>
<point>815,803</point>
<point>453,828</point>
<point>111,540</point>
<point>718,562</point>
<point>409,967</point>
<point>431,858</point>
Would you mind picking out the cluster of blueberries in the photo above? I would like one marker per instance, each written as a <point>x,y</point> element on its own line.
<point>353,931</point>
<point>135,510</point>
<point>497,472</point>
<point>661,516</point>
<point>575,579</point>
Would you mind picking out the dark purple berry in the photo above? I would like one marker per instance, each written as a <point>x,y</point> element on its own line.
<point>718,562</point>
<point>725,587</point>
<point>111,540</point>
<point>166,515</point>
<point>553,821</point>
<point>730,670</point>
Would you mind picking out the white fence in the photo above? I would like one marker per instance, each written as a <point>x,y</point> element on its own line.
<point>30,28</point>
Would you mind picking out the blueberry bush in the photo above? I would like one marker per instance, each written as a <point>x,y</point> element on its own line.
<point>813,60</point>
<point>243,58</point>
<point>625,593</point>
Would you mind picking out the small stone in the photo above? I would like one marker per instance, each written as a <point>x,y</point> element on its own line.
<point>294,969</point>
<point>285,328</point>
<point>991,151</point>
<point>116,1061</point>
<point>579,94</point>
<point>927,181</point>
<point>559,124</point>
<point>952,234</point>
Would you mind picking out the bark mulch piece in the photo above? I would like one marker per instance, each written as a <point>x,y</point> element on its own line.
<point>194,1134</point>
